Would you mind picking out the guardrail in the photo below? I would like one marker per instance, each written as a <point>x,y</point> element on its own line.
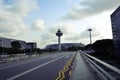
<point>102,73</point>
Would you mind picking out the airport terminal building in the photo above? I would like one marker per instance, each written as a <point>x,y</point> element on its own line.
<point>115,22</point>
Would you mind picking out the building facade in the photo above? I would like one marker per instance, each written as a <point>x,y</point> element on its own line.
<point>115,22</point>
<point>6,43</point>
<point>31,45</point>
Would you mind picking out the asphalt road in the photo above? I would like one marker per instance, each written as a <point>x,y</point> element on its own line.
<point>50,67</point>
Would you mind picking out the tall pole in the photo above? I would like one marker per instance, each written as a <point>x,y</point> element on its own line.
<point>90,37</point>
<point>59,34</point>
<point>59,44</point>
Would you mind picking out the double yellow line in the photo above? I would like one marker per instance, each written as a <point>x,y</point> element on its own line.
<point>61,74</point>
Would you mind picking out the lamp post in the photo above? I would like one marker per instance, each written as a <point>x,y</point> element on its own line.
<point>59,34</point>
<point>90,37</point>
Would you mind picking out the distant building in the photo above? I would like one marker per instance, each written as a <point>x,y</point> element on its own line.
<point>115,21</point>
<point>31,46</point>
<point>25,47</point>
<point>6,42</point>
<point>64,46</point>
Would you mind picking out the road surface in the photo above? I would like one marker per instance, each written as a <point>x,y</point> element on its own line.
<point>51,67</point>
<point>59,66</point>
<point>82,70</point>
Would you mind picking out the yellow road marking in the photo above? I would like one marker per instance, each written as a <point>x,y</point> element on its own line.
<point>61,74</point>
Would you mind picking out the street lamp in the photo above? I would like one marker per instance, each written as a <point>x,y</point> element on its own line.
<point>59,34</point>
<point>90,37</point>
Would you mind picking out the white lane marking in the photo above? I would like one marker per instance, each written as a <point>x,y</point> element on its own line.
<point>18,64</point>
<point>67,57</point>
<point>23,63</point>
<point>21,74</point>
<point>55,56</point>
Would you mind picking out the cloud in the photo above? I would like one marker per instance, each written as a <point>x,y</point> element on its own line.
<point>23,7</point>
<point>38,25</point>
<point>45,39</point>
<point>83,35</point>
<point>69,1</point>
<point>11,16</point>
<point>11,23</point>
<point>70,32</point>
<point>90,8</point>
<point>48,34</point>
<point>66,28</point>
<point>95,32</point>
<point>72,37</point>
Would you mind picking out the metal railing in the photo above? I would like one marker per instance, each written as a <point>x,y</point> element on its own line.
<point>101,72</point>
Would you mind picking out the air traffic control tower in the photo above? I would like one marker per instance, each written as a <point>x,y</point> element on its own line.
<point>59,34</point>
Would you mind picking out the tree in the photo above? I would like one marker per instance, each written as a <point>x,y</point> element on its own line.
<point>16,46</point>
<point>87,47</point>
<point>72,48</point>
<point>104,48</point>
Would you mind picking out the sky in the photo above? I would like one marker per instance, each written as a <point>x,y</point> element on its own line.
<point>38,20</point>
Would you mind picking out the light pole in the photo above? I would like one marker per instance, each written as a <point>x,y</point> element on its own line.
<point>90,37</point>
<point>59,34</point>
